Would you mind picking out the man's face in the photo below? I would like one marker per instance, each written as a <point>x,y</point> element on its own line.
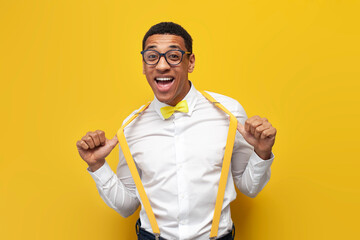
<point>177,85</point>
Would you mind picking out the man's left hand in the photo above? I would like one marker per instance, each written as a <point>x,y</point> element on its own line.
<point>259,133</point>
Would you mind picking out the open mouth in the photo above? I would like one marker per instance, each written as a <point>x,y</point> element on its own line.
<point>164,83</point>
<point>164,80</point>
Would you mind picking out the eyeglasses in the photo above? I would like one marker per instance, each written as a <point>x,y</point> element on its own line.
<point>172,57</point>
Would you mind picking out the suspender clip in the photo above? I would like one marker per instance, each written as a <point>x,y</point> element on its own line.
<point>157,236</point>
<point>212,238</point>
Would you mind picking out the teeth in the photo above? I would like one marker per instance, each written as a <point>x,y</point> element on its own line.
<point>163,79</point>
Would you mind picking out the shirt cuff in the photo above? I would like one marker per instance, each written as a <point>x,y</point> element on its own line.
<point>259,162</point>
<point>101,175</point>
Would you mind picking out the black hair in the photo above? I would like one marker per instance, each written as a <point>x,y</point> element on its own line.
<point>169,28</point>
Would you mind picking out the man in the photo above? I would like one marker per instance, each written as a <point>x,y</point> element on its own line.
<point>179,155</point>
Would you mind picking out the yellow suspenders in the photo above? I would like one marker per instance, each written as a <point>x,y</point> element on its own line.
<point>223,178</point>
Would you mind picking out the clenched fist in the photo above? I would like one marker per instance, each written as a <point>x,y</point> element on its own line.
<point>94,147</point>
<point>259,133</point>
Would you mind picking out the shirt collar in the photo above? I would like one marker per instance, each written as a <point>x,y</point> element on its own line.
<point>191,98</point>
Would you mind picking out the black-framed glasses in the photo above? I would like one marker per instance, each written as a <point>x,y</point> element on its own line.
<point>172,57</point>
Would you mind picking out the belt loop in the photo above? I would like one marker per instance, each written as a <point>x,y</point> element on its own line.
<point>233,232</point>
<point>137,227</point>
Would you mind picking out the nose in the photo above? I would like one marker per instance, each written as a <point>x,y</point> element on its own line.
<point>162,65</point>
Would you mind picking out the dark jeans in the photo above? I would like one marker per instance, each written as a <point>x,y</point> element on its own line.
<point>145,235</point>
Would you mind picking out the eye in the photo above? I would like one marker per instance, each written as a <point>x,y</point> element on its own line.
<point>174,56</point>
<point>152,56</point>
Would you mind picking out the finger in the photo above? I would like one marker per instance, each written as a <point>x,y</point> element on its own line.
<point>268,133</point>
<point>249,122</point>
<point>95,138</point>
<point>89,141</point>
<point>114,141</point>
<point>82,145</point>
<point>241,128</point>
<point>102,137</point>
<point>254,125</point>
<point>260,129</point>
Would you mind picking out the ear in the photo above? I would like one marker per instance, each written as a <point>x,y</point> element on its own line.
<point>143,67</point>
<point>191,63</point>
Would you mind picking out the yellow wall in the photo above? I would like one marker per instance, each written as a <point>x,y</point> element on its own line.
<point>68,67</point>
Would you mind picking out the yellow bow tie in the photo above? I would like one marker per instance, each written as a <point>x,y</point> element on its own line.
<point>180,107</point>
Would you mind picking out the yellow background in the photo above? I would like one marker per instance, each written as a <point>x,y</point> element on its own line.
<point>68,67</point>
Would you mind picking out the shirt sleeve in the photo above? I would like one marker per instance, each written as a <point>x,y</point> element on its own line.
<point>117,191</point>
<point>250,172</point>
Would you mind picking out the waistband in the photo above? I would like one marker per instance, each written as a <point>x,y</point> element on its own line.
<point>145,235</point>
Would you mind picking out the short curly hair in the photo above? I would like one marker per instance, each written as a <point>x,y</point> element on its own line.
<point>169,28</point>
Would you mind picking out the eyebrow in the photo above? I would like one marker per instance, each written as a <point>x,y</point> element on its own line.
<point>171,46</point>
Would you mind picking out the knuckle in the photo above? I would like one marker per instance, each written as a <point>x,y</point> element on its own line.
<point>256,123</point>
<point>83,145</point>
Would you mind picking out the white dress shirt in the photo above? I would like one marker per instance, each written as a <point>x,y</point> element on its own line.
<point>179,161</point>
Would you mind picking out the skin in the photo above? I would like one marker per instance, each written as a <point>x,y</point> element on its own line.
<point>94,147</point>
<point>260,134</point>
<point>181,85</point>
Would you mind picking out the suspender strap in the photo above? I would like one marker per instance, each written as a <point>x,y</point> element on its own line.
<point>225,167</point>
<point>223,178</point>
<point>130,162</point>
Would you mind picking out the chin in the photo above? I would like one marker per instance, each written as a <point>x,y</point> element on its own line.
<point>164,97</point>
<point>164,100</point>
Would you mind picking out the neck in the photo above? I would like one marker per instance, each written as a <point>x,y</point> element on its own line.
<point>181,96</point>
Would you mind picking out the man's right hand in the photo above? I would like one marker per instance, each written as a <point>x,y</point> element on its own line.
<point>94,147</point>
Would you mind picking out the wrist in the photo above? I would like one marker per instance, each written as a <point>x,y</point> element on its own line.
<point>265,155</point>
<point>97,165</point>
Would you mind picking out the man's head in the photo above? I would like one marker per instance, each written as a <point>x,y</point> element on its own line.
<point>169,28</point>
<point>168,77</point>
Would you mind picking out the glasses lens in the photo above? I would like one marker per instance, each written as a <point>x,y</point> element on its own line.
<point>151,57</point>
<point>174,57</point>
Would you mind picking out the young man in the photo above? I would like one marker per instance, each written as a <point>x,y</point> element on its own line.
<point>179,153</point>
